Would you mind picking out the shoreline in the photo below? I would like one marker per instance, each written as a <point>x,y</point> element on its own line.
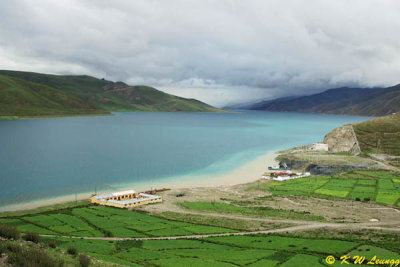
<point>61,116</point>
<point>112,113</point>
<point>248,172</point>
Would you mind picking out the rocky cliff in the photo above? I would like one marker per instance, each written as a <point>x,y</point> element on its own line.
<point>343,139</point>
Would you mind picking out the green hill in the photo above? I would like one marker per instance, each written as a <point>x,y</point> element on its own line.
<point>97,96</point>
<point>23,98</point>
<point>380,136</point>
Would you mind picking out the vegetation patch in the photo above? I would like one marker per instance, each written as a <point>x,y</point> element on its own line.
<point>257,250</point>
<point>370,251</point>
<point>380,135</point>
<point>287,243</point>
<point>303,260</point>
<point>377,186</point>
<point>95,221</point>
<point>296,249</point>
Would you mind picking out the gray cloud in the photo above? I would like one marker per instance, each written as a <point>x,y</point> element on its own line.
<point>217,51</point>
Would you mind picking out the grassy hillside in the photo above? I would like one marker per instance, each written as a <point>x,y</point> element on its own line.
<point>147,98</point>
<point>22,98</point>
<point>113,96</point>
<point>351,101</point>
<point>380,135</point>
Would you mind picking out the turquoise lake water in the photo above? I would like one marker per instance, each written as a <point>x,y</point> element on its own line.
<point>45,158</point>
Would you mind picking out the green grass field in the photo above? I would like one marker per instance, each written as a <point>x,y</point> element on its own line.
<point>260,250</point>
<point>94,221</point>
<point>377,186</point>
<point>289,250</point>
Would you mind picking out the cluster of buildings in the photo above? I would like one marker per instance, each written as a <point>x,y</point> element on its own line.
<point>286,175</point>
<point>283,173</point>
<point>125,199</point>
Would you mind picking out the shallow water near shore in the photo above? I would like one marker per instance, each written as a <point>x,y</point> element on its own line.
<point>59,157</point>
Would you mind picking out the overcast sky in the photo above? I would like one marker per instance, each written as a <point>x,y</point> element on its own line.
<point>220,52</point>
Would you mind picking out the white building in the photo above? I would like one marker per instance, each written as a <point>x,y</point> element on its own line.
<point>125,199</point>
<point>319,147</point>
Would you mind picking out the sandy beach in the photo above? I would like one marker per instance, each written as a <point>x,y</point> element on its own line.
<point>248,172</point>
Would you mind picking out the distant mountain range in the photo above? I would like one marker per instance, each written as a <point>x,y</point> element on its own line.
<point>29,94</point>
<point>351,101</point>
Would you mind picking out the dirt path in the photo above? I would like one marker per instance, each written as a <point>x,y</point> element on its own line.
<point>396,210</point>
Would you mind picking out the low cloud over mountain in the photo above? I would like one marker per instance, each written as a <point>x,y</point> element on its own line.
<point>220,52</point>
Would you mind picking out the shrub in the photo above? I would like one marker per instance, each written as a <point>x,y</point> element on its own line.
<point>9,247</point>
<point>72,250</point>
<point>14,248</point>
<point>52,244</point>
<point>127,244</point>
<point>33,237</point>
<point>84,260</point>
<point>367,199</point>
<point>8,231</point>
<point>3,248</point>
<point>358,199</point>
<point>33,257</point>
<point>107,233</point>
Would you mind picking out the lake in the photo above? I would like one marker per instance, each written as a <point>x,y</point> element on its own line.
<point>45,158</point>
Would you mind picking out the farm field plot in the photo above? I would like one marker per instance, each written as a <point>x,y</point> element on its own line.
<point>336,187</point>
<point>94,221</point>
<point>362,192</point>
<point>379,186</point>
<point>258,250</point>
<point>303,260</point>
<point>25,226</point>
<point>286,243</point>
<point>370,251</point>
<point>302,186</point>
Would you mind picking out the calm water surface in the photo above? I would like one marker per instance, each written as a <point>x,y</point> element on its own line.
<point>45,158</point>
